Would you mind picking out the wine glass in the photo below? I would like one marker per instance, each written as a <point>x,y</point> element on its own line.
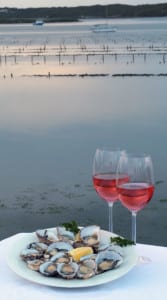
<point>138,190</point>
<point>104,177</point>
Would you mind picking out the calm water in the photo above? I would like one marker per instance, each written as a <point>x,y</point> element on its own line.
<point>50,127</point>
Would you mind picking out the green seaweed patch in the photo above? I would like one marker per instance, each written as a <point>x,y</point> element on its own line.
<point>25,205</point>
<point>56,210</point>
<point>163,200</point>
<point>2,205</point>
<point>153,208</point>
<point>40,211</point>
<point>81,209</point>
<point>77,185</point>
<point>159,182</point>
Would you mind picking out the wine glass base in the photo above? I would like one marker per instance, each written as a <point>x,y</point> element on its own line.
<point>143,260</point>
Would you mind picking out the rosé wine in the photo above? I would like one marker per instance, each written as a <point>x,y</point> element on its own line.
<point>135,196</point>
<point>105,185</point>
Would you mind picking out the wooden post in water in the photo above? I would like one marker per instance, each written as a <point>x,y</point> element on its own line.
<point>133,58</point>
<point>59,58</point>
<point>163,58</point>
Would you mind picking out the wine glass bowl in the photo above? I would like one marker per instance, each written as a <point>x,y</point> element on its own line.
<point>105,186</point>
<point>138,190</point>
<point>135,196</point>
<point>104,177</point>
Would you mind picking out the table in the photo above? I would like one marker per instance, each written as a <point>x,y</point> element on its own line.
<point>144,281</point>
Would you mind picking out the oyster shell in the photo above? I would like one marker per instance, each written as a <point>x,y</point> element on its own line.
<point>111,247</point>
<point>87,268</point>
<point>47,236</point>
<point>90,235</point>
<point>54,248</point>
<point>108,260</point>
<point>61,257</point>
<point>67,271</point>
<point>118,249</point>
<point>65,235</point>
<point>30,254</point>
<point>41,247</point>
<point>34,264</point>
<point>48,269</point>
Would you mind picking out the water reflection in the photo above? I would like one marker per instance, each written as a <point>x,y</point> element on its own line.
<point>47,117</point>
<point>43,104</point>
<point>50,128</point>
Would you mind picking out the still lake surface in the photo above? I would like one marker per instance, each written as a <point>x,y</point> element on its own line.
<point>51,125</point>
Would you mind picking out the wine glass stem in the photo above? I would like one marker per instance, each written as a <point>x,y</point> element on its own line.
<point>110,207</point>
<point>134,226</point>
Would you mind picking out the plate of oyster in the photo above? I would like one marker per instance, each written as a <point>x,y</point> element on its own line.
<point>60,258</point>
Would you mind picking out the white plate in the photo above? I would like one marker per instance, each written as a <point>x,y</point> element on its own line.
<point>20,268</point>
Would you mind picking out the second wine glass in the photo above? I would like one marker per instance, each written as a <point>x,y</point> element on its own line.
<point>104,177</point>
<point>138,190</point>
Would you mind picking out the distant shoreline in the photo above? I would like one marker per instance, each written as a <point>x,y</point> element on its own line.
<point>85,75</point>
<point>74,14</point>
<point>100,75</point>
<point>24,22</point>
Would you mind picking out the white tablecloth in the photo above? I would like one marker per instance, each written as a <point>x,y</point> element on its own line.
<point>144,281</point>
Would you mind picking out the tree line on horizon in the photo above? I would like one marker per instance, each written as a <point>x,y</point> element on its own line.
<point>58,14</point>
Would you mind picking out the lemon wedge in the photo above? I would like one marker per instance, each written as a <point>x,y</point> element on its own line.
<point>79,252</point>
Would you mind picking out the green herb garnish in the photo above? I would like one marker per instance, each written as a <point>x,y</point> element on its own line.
<point>71,226</point>
<point>121,241</point>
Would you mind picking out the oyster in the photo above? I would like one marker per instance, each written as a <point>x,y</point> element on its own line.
<point>61,257</point>
<point>118,249</point>
<point>103,247</point>
<point>90,235</point>
<point>34,264</point>
<point>47,236</point>
<point>41,247</point>
<point>87,268</point>
<point>54,248</point>
<point>48,269</point>
<point>30,254</point>
<point>67,271</point>
<point>65,235</point>
<point>110,247</point>
<point>108,260</point>
<point>78,244</point>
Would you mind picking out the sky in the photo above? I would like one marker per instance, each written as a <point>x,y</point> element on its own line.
<point>56,3</point>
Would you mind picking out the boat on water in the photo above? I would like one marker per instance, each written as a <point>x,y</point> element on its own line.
<point>38,22</point>
<point>103,28</point>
